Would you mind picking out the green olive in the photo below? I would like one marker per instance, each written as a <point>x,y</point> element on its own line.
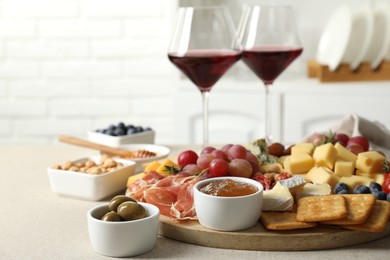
<point>111,216</point>
<point>131,210</point>
<point>117,200</point>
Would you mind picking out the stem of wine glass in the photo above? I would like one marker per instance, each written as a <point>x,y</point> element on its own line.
<point>267,116</point>
<point>205,101</point>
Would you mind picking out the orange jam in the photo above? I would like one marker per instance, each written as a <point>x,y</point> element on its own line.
<point>228,188</point>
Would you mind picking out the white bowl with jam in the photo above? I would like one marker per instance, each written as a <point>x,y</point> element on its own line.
<point>228,203</point>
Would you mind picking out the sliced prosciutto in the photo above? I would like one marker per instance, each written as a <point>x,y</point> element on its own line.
<point>173,195</point>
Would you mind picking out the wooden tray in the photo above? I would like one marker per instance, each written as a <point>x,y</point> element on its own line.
<point>344,72</point>
<point>260,239</point>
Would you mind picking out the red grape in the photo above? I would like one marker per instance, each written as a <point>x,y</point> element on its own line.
<point>236,152</point>
<point>316,139</point>
<point>276,149</point>
<point>254,161</point>
<point>342,139</point>
<point>226,147</point>
<point>187,157</point>
<point>207,150</point>
<point>219,154</point>
<point>192,169</point>
<point>218,168</point>
<point>240,168</point>
<point>355,148</point>
<point>204,161</point>
<point>360,140</point>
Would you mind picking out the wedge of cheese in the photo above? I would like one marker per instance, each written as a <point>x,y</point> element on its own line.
<point>133,178</point>
<point>345,155</point>
<point>321,174</point>
<point>310,189</point>
<point>344,168</point>
<point>325,155</point>
<point>277,199</point>
<point>303,148</point>
<point>153,166</point>
<point>300,162</point>
<point>370,162</point>
<point>294,184</point>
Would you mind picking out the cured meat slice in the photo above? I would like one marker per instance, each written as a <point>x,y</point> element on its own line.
<point>161,197</point>
<point>136,188</point>
<point>183,208</point>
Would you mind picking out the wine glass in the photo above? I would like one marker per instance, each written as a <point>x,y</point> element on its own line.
<point>204,46</point>
<point>270,44</point>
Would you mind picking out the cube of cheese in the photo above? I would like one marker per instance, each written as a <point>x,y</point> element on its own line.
<point>153,166</point>
<point>344,169</point>
<point>277,199</point>
<point>325,155</point>
<point>300,163</point>
<point>355,180</point>
<point>320,175</point>
<point>133,178</point>
<point>377,177</point>
<point>370,162</point>
<point>162,169</point>
<point>345,155</point>
<point>286,164</point>
<point>303,147</point>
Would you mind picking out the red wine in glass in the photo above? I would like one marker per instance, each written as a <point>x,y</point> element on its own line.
<point>268,62</point>
<point>204,67</point>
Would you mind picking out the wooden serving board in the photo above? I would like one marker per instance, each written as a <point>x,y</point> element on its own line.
<point>260,239</point>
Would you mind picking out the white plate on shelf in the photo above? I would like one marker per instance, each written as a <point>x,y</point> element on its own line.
<point>334,39</point>
<point>360,37</point>
<point>380,40</point>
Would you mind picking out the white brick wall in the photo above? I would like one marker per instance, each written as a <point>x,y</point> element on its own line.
<point>70,66</point>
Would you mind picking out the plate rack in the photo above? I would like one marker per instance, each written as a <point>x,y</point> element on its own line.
<point>344,72</point>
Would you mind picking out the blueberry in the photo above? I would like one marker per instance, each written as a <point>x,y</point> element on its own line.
<point>139,129</point>
<point>111,128</point>
<point>129,126</point>
<point>99,131</point>
<point>375,187</point>
<point>111,132</point>
<point>131,131</point>
<point>361,189</point>
<point>119,131</point>
<point>105,131</point>
<point>343,192</point>
<point>388,197</point>
<point>380,195</point>
<point>340,186</point>
<point>147,129</point>
<point>121,125</point>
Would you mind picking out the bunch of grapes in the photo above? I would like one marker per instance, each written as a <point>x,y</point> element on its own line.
<point>233,160</point>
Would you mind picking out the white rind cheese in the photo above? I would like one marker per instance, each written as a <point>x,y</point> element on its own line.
<point>278,199</point>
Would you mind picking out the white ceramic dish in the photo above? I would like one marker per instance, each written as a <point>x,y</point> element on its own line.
<point>161,153</point>
<point>380,39</point>
<point>228,213</point>
<point>361,34</point>
<point>126,238</point>
<point>334,39</point>
<point>90,187</point>
<point>146,137</point>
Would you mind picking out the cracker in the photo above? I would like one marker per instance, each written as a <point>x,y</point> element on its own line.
<point>283,220</point>
<point>321,208</point>
<point>376,221</point>
<point>359,208</point>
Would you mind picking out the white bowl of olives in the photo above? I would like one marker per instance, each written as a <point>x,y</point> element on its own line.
<point>123,227</point>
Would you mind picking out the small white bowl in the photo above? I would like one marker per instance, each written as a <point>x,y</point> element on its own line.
<point>90,187</point>
<point>125,238</point>
<point>228,213</point>
<point>146,137</point>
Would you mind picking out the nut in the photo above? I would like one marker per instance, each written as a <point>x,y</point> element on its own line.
<point>67,165</point>
<point>90,164</point>
<point>109,163</point>
<point>74,169</point>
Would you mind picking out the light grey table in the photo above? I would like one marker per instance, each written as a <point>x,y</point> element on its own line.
<point>36,223</point>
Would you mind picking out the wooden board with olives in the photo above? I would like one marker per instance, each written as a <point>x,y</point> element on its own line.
<point>124,208</point>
